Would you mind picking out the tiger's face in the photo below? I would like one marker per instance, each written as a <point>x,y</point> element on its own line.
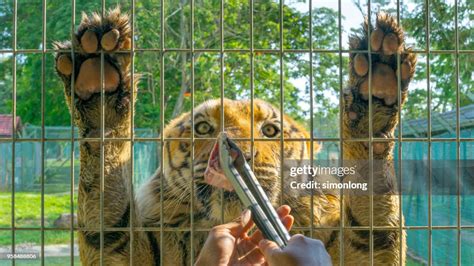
<point>180,170</point>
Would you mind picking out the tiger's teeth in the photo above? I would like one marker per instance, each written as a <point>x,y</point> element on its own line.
<point>214,175</point>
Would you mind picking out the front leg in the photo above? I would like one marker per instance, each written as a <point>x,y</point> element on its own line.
<point>387,43</point>
<point>110,35</point>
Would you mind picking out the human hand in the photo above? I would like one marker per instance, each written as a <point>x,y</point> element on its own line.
<point>300,251</point>
<point>229,244</point>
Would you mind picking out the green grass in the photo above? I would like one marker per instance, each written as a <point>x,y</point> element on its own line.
<point>28,214</point>
<point>52,261</point>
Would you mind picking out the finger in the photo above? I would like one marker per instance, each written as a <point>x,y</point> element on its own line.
<point>268,248</point>
<point>256,237</point>
<point>248,225</point>
<point>255,257</point>
<point>238,226</point>
<point>283,210</point>
<point>287,222</point>
<point>249,253</point>
<point>246,220</point>
<point>297,238</point>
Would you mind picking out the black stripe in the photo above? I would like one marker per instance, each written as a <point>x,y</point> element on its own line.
<point>184,164</point>
<point>230,195</point>
<point>351,218</point>
<point>293,128</point>
<point>385,239</point>
<point>93,238</point>
<point>382,239</point>
<point>154,248</point>
<point>274,114</point>
<point>364,247</point>
<point>198,115</point>
<point>121,248</point>
<point>203,194</point>
<point>183,146</point>
<point>331,240</point>
<point>183,243</point>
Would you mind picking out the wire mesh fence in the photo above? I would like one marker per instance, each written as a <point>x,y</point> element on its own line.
<point>293,54</point>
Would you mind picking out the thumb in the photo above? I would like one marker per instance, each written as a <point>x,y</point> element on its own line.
<point>239,225</point>
<point>268,248</point>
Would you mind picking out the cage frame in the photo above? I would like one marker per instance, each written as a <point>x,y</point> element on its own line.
<point>222,51</point>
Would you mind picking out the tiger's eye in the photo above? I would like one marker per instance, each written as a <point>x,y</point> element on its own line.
<point>270,130</point>
<point>203,128</point>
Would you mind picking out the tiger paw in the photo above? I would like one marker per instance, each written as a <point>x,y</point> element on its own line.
<point>387,75</point>
<point>387,43</point>
<point>110,34</point>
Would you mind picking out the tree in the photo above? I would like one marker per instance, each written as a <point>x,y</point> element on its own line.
<point>441,15</point>
<point>236,68</point>
<point>177,77</point>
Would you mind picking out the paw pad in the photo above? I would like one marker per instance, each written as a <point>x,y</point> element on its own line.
<point>89,42</point>
<point>64,65</point>
<point>95,33</point>
<point>390,44</point>
<point>386,41</point>
<point>361,65</point>
<point>110,39</point>
<point>376,39</point>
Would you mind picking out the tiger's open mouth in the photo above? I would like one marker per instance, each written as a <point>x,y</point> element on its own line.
<point>214,175</point>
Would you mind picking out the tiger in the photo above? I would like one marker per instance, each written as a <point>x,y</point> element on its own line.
<point>166,220</point>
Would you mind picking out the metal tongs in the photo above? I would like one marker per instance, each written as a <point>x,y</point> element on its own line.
<point>247,187</point>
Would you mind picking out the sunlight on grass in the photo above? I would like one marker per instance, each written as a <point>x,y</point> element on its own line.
<point>28,214</point>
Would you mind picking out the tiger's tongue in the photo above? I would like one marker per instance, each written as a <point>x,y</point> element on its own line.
<point>214,175</point>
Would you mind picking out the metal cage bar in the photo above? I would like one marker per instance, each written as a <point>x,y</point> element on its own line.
<point>400,132</point>
<point>341,139</point>
<point>162,119</point>
<point>43,73</point>
<point>14,46</point>
<point>241,50</point>
<point>192,135</point>
<point>458,135</point>
<point>428,87</point>
<point>280,52</point>
<point>72,141</point>
<point>131,194</point>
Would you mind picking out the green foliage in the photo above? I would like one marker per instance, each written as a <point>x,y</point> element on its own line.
<point>177,75</point>
<point>442,65</point>
<point>204,69</point>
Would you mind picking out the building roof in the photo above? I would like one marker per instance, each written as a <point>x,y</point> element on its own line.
<point>6,125</point>
<point>440,122</point>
